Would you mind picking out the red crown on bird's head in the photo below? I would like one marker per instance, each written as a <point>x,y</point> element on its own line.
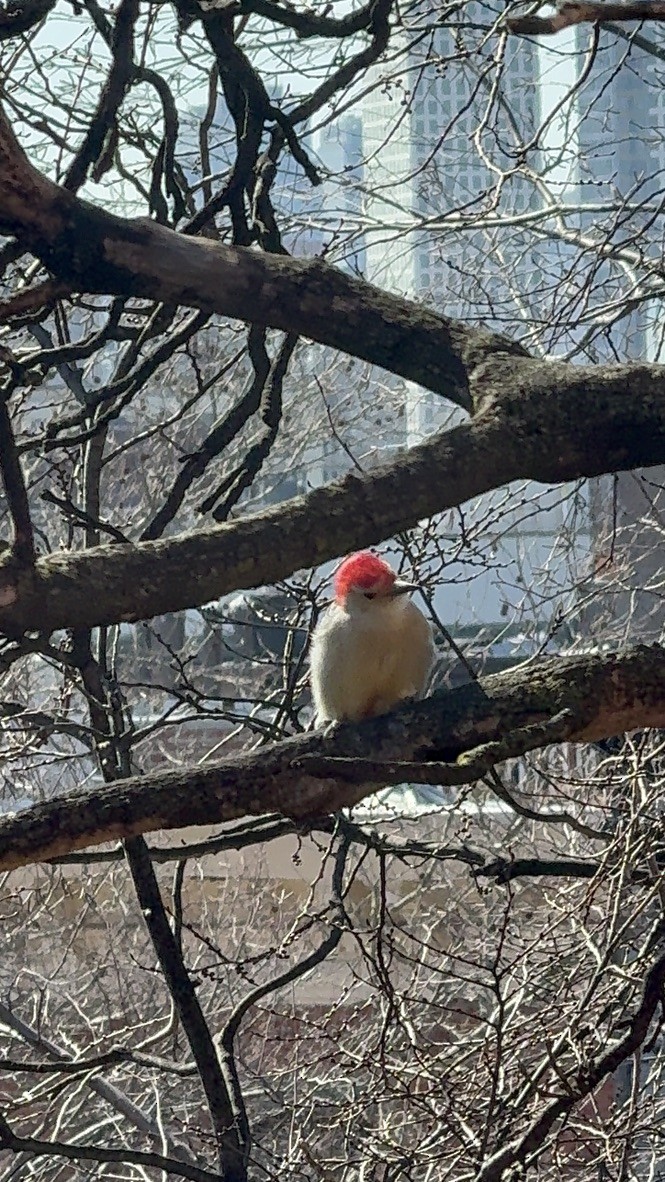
<point>363,570</point>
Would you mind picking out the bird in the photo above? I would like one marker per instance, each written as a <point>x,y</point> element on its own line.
<point>372,647</point>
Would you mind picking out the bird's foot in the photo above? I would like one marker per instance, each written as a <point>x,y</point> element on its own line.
<point>328,726</point>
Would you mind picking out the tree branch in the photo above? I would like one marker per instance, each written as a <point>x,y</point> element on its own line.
<point>550,422</point>
<point>18,16</point>
<point>113,92</point>
<point>307,23</point>
<point>539,420</point>
<point>504,870</point>
<point>23,545</point>
<point>29,301</point>
<point>101,1153</point>
<point>103,1088</point>
<point>578,12</point>
<point>114,582</point>
<point>95,251</point>
<point>611,693</point>
<point>529,1147</point>
<point>230,1127</point>
<point>227,1036</point>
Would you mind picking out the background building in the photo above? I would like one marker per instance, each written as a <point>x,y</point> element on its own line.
<point>433,165</point>
<point>442,207</point>
<point>443,193</point>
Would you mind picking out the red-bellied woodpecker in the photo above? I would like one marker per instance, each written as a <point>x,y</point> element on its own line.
<point>372,647</point>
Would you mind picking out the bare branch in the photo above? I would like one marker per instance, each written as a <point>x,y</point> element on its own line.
<point>33,299</point>
<point>505,869</point>
<point>139,257</point>
<point>111,1094</point>
<point>18,16</point>
<point>101,1153</point>
<point>579,12</point>
<point>307,23</point>
<point>528,1148</point>
<point>229,1123</point>
<point>542,421</point>
<point>120,76</point>
<point>23,545</point>
<point>615,692</point>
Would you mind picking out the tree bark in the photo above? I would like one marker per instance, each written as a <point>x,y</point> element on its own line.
<point>548,422</point>
<point>577,12</point>
<point>606,695</point>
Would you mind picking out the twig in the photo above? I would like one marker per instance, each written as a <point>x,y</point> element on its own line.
<point>226,1042</point>
<point>271,413</point>
<point>80,517</point>
<point>34,299</point>
<point>528,1148</point>
<point>103,1088</point>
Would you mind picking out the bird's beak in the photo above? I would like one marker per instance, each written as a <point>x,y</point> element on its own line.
<point>402,588</point>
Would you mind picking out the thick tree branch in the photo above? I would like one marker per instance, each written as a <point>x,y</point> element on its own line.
<point>505,870</point>
<point>98,252</point>
<point>545,421</point>
<point>117,582</point>
<point>229,1122</point>
<point>579,12</point>
<point>17,16</point>
<point>31,300</point>
<point>610,694</point>
<point>548,422</point>
<point>306,23</point>
<point>103,121</point>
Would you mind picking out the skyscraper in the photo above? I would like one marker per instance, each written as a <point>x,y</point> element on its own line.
<point>441,144</point>
<point>444,127</point>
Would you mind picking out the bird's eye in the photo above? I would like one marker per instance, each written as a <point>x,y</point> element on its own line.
<point>370,594</point>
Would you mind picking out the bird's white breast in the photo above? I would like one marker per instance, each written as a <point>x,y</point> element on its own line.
<point>363,663</point>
